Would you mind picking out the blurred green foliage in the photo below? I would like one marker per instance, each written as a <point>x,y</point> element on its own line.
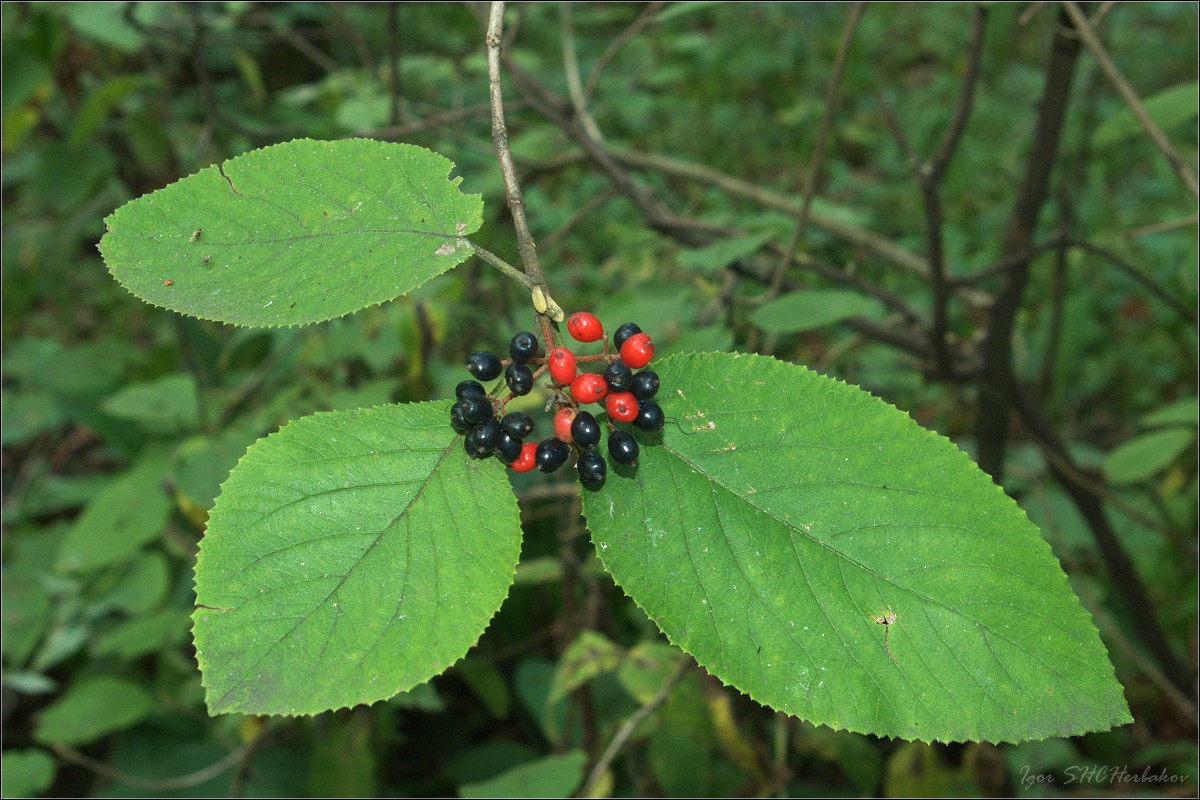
<point>120,420</point>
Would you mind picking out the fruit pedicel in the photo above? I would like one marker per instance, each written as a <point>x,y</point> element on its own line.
<point>625,391</point>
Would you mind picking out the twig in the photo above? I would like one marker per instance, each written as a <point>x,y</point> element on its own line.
<point>352,32</point>
<point>302,45</point>
<point>1057,307</point>
<point>247,390</point>
<point>1125,579</point>
<point>1133,272</point>
<point>499,263</point>
<point>1089,37</point>
<point>818,153</point>
<point>930,177</point>
<point>448,117</point>
<point>929,174</point>
<point>997,382</point>
<point>634,28</point>
<point>1162,227</point>
<point>817,158</point>
<point>580,214</point>
<point>166,784</point>
<point>1107,626</point>
<point>571,68</point>
<point>512,187</point>
<point>851,234</point>
<point>631,724</point>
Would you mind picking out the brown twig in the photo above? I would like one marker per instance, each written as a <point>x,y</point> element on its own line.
<point>614,47</point>
<point>512,187</point>
<point>1162,227</point>
<point>929,174</point>
<point>1136,274</point>
<point>622,735</point>
<point>1125,579</point>
<point>499,263</point>
<point>1085,31</point>
<point>189,780</point>
<point>816,160</point>
<point>571,68</point>
<point>997,382</point>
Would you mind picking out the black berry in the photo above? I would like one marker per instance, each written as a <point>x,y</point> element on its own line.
<point>485,437</point>
<point>592,469</point>
<point>457,420</point>
<point>519,379</point>
<point>469,389</point>
<point>484,365</point>
<point>645,385</point>
<point>551,454</point>
<point>618,376</point>
<point>476,410</point>
<point>623,448</point>
<point>508,448</point>
<point>517,425</point>
<point>624,332</point>
<point>585,431</point>
<point>523,347</point>
<point>469,446</point>
<point>649,416</point>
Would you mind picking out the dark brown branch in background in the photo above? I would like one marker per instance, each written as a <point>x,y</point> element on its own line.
<point>997,382</point>
<point>1178,163</point>
<point>693,234</point>
<point>818,154</point>
<point>1125,579</point>
<point>814,166</point>
<point>1057,307</point>
<point>1161,294</point>
<point>634,29</point>
<point>929,176</point>
<point>559,111</point>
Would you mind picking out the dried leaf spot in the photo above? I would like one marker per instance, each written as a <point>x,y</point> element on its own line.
<point>445,250</point>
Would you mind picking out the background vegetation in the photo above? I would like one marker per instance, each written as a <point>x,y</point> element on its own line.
<point>664,150</point>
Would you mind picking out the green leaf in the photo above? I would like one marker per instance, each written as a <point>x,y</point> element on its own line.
<point>591,654</point>
<point>92,708</point>
<point>350,556</point>
<point>166,405</point>
<point>1181,412</point>
<point>1168,108</point>
<point>803,311</point>
<point>725,252</point>
<point>784,518</point>
<point>1140,458</point>
<point>294,233</point>
<point>25,773</point>
<point>130,512</point>
<point>553,776</point>
<point>488,684</point>
<point>141,587</point>
<point>142,635</point>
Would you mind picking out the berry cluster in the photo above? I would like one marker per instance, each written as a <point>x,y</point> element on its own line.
<point>627,397</point>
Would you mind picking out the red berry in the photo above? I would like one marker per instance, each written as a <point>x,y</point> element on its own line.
<point>589,388</point>
<point>562,365</point>
<point>562,423</point>
<point>525,462</point>
<point>637,350</point>
<point>584,327</point>
<point>622,407</point>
